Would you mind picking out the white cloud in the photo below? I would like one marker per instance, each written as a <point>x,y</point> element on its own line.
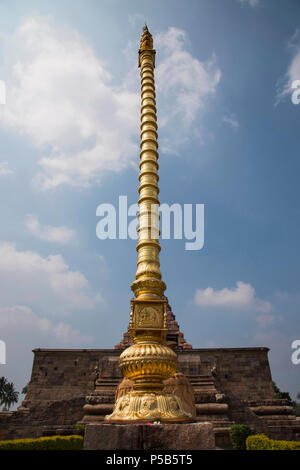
<point>252,3</point>
<point>293,72</point>
<point>60,96</point>
<point>241,297</point>
<point>48,233</point>
<point>23,330</point>
<point>46,285</point>
<point>22,321</point>
<point>284,86</point>
<point>4,170</point>
<point>234,123</point>
<point>184,84</point>
<point>264,321</point>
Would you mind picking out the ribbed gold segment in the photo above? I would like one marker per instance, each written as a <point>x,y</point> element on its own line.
<point>148,282</point>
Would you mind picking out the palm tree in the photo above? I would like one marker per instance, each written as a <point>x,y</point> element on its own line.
<point>8,394</point>
<point>3,382</point>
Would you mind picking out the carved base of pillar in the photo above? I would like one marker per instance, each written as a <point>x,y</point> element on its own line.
<point>168,436</point>
<point>151,406</point>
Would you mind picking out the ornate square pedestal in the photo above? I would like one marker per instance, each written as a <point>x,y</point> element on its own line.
<point>167,436</point>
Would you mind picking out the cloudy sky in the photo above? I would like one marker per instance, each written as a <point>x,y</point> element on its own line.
<point>229,139</point>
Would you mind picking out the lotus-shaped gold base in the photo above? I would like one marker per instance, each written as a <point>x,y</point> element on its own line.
<point>148,364</point>
<point>153,406</point>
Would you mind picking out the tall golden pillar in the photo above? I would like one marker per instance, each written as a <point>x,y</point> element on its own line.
<point>148,362</point>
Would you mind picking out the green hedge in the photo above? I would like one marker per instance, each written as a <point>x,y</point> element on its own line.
<point>238,436</point>
<point>262,442</point>
<point>44,443</point>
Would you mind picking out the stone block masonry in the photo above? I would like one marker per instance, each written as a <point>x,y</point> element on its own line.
<point>184,436</point>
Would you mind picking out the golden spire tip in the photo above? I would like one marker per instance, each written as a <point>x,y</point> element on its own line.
<point>146,39</point>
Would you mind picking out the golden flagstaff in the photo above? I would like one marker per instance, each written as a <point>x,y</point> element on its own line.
<point>149,361</point>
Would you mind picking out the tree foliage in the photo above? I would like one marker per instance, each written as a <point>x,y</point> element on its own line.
<point>238,435</point>
<point>286,396</point>
<point>282,395</point>
<point>8,394</point>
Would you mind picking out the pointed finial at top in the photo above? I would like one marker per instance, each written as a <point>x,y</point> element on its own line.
<point>146,40</point>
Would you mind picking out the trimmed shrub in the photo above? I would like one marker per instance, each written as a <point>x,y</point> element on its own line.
<point>44,443</point>
<point>257,442</point>
<point>79,429</point>
<point>262,442</point>
<point>238,436</point>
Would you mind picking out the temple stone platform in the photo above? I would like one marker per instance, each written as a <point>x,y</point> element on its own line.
<point>230,386</point>
<point>166,436</point>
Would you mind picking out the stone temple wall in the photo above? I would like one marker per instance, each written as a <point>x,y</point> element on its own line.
<point>230,385</point>
<point>244,372</point>
<point>62,374</point>
<point>65,374</point>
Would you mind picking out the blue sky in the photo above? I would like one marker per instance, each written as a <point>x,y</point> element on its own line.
<point>229,139</point>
